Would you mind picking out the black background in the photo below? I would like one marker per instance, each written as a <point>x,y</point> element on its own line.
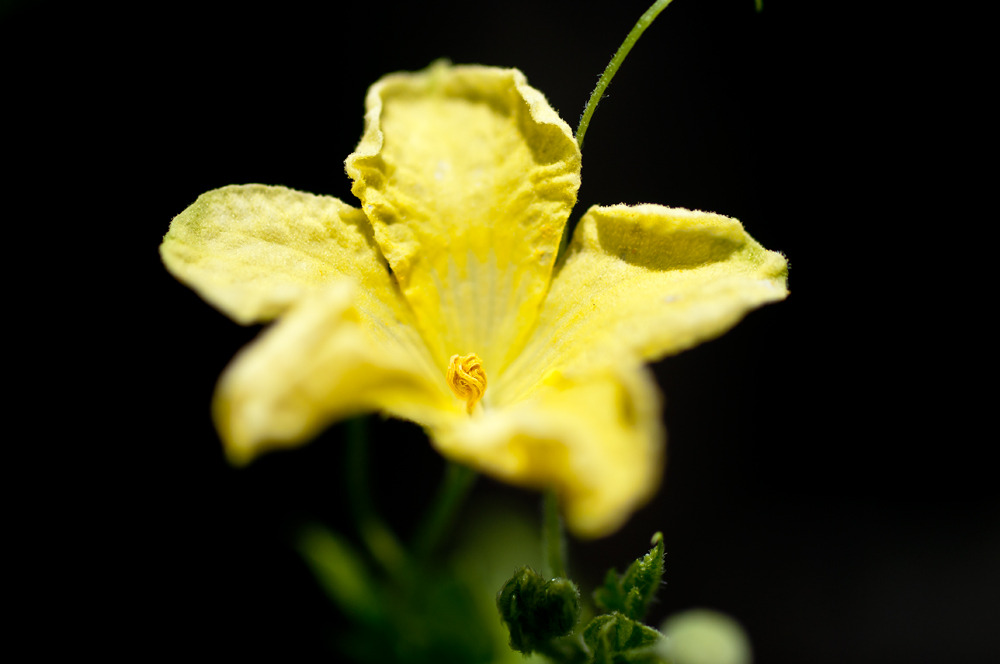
<point>822,485</point>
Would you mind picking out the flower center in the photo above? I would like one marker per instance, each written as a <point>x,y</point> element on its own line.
<point>467,379</point>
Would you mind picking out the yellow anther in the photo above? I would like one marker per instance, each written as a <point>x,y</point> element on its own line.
<point>467,379</point>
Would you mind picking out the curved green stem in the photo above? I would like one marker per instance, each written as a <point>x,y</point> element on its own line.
<point>553,539</point>
<point>455,486</point>
<point>616,62</point>
<point>378,538</point>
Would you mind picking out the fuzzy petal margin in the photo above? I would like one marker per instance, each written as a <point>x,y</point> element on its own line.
<point>346,341</point>
<point>642,282</point>
<point>254,250</point>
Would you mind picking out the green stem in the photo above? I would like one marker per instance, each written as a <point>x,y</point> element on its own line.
<point>553,539</point>
<point>378,538</point>
<point>455,486</point>
<point>616,62</point>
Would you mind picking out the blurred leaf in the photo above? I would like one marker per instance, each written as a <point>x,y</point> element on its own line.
<point>342,573</point>
<point>428,616</point>
<point>489,546</point>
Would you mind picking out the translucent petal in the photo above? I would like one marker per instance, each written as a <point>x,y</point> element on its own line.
<point>643,282</point>
<point>346,342</point>
<point>254,250</point>
<point>595,438</point>
<point>322,361</point>
<point>468,176</point>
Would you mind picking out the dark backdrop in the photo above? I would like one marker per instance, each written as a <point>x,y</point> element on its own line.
<point>811,491</point>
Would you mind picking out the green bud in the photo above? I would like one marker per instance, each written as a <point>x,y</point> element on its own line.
<point>537,611</point>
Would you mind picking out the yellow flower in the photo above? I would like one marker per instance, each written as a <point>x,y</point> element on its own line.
<point>438,300</point>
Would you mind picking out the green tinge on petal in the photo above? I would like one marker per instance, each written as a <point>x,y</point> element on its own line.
<point>468,177</point>
<point>254,250</point>
<point>318,364</point>
<point>642,282</point>
<point>596,438</point>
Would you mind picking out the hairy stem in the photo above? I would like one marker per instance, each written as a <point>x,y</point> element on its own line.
<point>609,72</point>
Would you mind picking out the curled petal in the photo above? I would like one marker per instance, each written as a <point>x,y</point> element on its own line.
<point>468,176</point>
<point>320,363</point>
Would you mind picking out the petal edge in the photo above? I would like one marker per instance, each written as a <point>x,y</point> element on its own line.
<point>254,250</point>
<point>642,282</point>
<point>468,177</point>
<point>318,364</point>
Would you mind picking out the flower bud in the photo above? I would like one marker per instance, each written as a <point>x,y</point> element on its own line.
<point>537,611</point>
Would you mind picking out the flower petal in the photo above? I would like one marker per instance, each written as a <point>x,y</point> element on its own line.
<point>596,439</point>
<point>253,250</point>
<point>468,176</point>
<point>644,282</point>
<point>324,360</point>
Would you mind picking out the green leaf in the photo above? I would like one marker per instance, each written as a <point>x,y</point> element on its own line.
<point>429,616</point>
<point>631,593</point>
<point>537,611</point>
<point>617,639</point>
<point>342,573</point>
